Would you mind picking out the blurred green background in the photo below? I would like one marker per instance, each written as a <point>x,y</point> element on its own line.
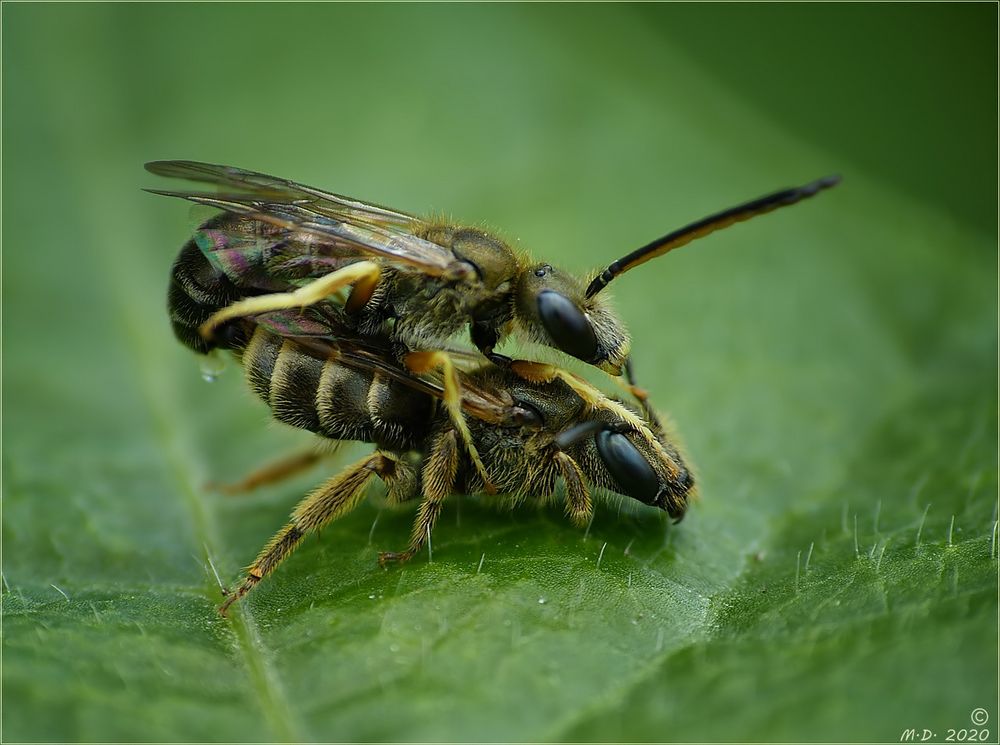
<point>832,370</point>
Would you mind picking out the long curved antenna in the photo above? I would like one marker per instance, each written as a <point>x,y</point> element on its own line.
<point>706,225</point>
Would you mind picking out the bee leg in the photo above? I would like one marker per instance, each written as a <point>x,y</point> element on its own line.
<point>485,335</point>
<point>642,396</point>
<point>364,275</point>
<point>652,418</point>
<point>593,398</point>
<point>540,372</point>
<point>639,394</point>
<point>438,482</point>
<point>579,508</point>
<point>332,499</point>
<point>403,485</point>
<point>420,362</point>
<point>271,473</point>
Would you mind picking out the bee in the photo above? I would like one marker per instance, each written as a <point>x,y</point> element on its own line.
<point>533,424</point>
<point>420,281</point>
<point>279,245</point>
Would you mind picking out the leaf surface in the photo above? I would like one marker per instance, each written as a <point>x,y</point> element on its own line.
<point>831,368</point>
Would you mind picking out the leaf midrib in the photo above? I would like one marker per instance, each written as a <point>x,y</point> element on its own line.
<point>263,679</point>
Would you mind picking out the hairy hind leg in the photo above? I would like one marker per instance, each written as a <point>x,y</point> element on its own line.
<point>272,473</point>
<point>364,275</point>
<point>438,482</point>
<point>579,507</point>
<point>334,498</point>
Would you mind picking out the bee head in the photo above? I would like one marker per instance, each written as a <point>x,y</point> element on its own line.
<point>643,475</point>
<point>620,458</point>
<point>554,310</point>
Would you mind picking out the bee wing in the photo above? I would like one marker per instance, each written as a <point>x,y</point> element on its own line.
<point>309,216</point>
<point>319,331</point>
<point>266,188</point>
<point>256,255</point>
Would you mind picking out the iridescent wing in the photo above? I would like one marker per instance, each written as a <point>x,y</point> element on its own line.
<point>258,255</point>
<point>264,188</point>
<point>304,215</point>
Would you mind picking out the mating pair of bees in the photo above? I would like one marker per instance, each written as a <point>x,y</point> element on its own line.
<point>342,314</point>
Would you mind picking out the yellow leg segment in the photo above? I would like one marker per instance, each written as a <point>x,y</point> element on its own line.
<point>421,362</point>
<point>642,396</point>
<point>593,398</point>
<point>439,482</point>
<point>540,372</point>
<point>335,498</point>
<point>365,272</point>
<point>271,473</point>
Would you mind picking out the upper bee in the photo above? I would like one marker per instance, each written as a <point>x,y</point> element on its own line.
<point>424,281</point>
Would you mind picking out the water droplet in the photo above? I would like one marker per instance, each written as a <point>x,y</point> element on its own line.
<point>212,364</point>
<point>371,597</point>
<point>542,601</point>
<point>393,647</point>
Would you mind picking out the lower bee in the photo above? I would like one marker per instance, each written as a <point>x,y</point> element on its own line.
<point>532,423</point>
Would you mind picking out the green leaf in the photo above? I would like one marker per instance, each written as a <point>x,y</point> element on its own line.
<point>831,368</point>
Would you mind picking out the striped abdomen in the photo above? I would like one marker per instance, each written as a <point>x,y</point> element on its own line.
<point>332,399</point>
<point>196,291</point>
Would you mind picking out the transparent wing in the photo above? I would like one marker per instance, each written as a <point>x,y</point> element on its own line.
<point>258,255</point>
<point>325,335</point>
<point>305,215</point>
<point>264,188</point>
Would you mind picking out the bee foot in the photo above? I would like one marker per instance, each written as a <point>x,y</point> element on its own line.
<point>393,557</point>
<point>224,608</point>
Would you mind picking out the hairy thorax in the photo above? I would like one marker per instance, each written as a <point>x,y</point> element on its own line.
<point>425,312</point>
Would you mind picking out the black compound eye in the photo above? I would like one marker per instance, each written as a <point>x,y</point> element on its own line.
<point>567,325</point>
<point>635,477</point>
